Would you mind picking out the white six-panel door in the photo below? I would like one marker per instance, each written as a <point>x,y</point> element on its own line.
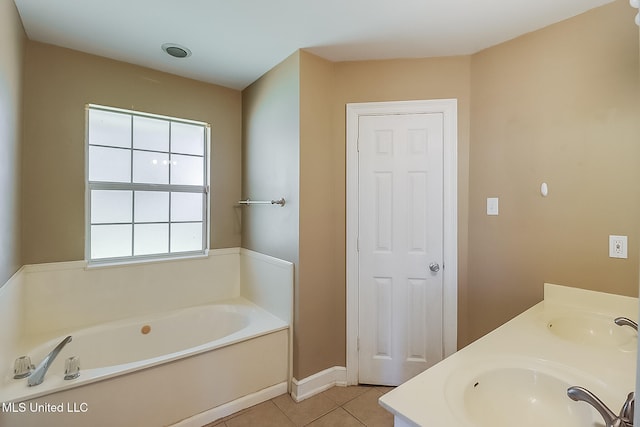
<point>400,235</point>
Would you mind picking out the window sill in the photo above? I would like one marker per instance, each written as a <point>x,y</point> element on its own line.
<point>91,265</point>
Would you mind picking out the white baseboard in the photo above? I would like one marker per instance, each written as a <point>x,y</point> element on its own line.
<point>232,407</point>
<point>319,382</point>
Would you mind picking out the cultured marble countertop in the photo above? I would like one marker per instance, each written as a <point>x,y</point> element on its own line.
<point>603,363</point>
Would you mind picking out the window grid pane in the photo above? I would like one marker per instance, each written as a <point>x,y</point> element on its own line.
<point>109,128</point>
<point>186,237</point>
<point>111,206</point>
<point>109,164</point>
<point>186,207</point>
<point>162,215</point>
<point>150,134</point>
<point>187,170</point>
<point>150,239</point>
<point>150,167</point>
<point>151,206</point>
<point>110,241</point>
<point>187,139</point>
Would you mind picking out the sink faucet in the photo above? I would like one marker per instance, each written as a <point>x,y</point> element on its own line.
<point>37,377</point>
<point>628,408</point>
<point>623,321</point>
<point>625,419</point>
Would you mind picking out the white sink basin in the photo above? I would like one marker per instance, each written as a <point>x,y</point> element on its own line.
<point>593,330</point>
<point>521,391</point>
<point>526,398</point>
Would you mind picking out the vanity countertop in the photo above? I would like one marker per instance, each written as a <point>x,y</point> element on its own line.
<point>567,339</point>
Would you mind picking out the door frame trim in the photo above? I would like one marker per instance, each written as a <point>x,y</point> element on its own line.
<point>449,109</point>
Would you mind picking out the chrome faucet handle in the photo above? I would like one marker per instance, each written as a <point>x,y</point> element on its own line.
<point>610,419</point>
<point>627,411</point>
<point>22,367</point>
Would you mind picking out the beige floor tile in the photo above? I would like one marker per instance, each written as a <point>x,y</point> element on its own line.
<point>342,395</point>
<point>235,414</point>
<point>304,412</point>
<point>265,414</point>
<point>383,389</point>
<point>337,418</point>
<point>367,410</point>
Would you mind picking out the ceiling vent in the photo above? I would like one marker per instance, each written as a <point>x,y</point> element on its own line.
<point>176,50</point>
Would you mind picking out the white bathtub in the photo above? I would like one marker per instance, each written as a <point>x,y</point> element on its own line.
<point>153,370</point>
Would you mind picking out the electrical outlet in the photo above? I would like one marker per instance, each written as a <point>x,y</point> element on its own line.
<point>617,246</point>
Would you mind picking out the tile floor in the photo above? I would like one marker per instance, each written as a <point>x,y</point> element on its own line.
<point>339,406</point>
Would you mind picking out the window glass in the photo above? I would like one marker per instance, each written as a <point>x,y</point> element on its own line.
<point>109,164</point>
<point>152,206</point>
<point>109,128</point>
<point>150,134</point>
<point>147,185</point>
<point>187,170</point>
<point>186,237</point>
<point>110,241</point>
<point>187,139</point>
<point>186,207</point>
<point>111,206</point>
<point>150,167</point>
<point>151,239</point>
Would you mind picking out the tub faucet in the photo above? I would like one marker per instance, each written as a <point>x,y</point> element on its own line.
<point>37,377</point>
<point>623,321</point>
<point>625,419</point>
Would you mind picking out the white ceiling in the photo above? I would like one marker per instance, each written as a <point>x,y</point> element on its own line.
<point>236,41</point>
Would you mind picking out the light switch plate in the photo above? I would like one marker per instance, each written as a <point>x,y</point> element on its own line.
<point>492,206</point>
<point>617,246</point>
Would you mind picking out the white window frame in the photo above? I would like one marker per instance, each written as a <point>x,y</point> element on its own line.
<point>102,185</point>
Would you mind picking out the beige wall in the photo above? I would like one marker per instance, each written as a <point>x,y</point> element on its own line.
<point>58,84</point>
<point>271,169</point>
<point>287,152</point>
<point>270,166</point>
<point>321,331</point>
<point>13,40</point>
<point>560,105</point>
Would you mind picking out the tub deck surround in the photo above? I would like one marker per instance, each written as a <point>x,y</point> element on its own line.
<point>216,335</point>
<point>72,295</point>
<point>567,339</point>
<point>121,347</point>
<point>190,392</point>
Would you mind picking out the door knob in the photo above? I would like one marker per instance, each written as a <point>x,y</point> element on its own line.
<point>434,266</point>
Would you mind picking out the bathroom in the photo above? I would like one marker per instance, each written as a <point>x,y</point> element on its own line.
<point>559,105</point>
